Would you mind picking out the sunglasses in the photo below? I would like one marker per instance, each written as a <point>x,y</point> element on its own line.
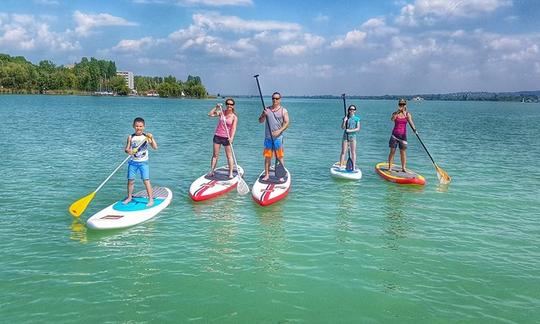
<point>229,104</point>
<point>274,98</point>
<point>352,109</point>
<point>402,104</point>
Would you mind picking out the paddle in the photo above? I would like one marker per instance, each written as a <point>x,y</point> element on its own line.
<point>78,207</point>
<point>279,169</point>
<point>350,165</point>
<point>444,178</point>
<point>242,186</point>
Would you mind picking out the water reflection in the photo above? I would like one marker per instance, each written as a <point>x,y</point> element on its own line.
<point>272,236</point>
<point>396,225</point>
<point>443,187</point>
<point>78,231</point>
<point>222,217</point>
<point>347,207</point>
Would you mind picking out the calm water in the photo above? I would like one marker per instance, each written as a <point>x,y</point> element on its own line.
<point>332,251</point>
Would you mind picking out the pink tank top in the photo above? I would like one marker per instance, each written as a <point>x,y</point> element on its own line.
<point>400,126</point>
<point>220,128</point>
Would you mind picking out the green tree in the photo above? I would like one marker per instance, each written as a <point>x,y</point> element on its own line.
<point>118,85</point>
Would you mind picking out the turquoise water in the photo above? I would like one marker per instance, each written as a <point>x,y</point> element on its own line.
<point>332,251</point>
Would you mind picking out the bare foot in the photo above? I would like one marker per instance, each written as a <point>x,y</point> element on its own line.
<point>210,174</point>
<point>231,176</point>
<point>150,202</point>
<point>281,179</point>
<point>265,178</point>
<point>126,201</point>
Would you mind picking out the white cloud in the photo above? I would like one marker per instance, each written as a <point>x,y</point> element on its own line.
<point>378,27</point>
<point>87,22</point>
<point>210,33</point>
<point>30,33</point>
<point>307,44</point>
<point>214,21</point>
<point>428,11</point>
<point>134,45</point>
<point>353,38</point>
<point>504,43</point>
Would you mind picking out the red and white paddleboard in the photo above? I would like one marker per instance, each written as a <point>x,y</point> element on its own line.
<point>208,187</point>
<point>268,192</point>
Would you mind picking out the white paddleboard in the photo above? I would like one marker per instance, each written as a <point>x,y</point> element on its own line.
<point>337,172</point>
<point>207,187</point>
<point>271,191</point>
<point>120,215</point>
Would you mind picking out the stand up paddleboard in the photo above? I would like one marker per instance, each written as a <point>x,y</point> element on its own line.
<point>337,172</point>
<point>396,175</point>
<point>272,190</point>
<point>207,187</point>
<point>120,215</point>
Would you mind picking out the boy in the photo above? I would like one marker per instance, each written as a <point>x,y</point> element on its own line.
<point>137,147</point>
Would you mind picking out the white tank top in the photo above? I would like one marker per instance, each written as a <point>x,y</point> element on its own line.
<point>142,152</point>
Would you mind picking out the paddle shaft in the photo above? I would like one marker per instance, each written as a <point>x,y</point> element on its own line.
<point>425,148</point>
<point>224,120</point>
<point>117,168</point>
<point>346,125</point>
<point>266,118</point>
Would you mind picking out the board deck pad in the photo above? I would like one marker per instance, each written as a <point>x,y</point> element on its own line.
<point>272,179</point>
<point>396,175</point>
<point>221,174</point>
<point>211,186</point>
<point>137,203</point>
<point>395,171</point>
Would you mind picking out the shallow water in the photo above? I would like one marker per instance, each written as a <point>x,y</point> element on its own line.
<point>368,251</point>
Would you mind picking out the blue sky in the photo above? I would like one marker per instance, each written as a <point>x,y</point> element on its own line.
<point>298,47</point>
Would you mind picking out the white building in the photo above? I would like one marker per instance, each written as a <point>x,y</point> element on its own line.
<point>128,76</point>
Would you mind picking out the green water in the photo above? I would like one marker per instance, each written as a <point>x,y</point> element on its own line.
<point>332,251</point>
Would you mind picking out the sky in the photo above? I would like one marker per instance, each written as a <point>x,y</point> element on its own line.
<point>297,47</point>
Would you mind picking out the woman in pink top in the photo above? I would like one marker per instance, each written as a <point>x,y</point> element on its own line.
<point>399,134</point>
<point>224,135</point>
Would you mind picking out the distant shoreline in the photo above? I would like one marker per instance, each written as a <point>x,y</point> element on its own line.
<point>520,96</point>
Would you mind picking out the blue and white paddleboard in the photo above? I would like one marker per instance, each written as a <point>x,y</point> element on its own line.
<point>120,215</point>
<point>337,172</point>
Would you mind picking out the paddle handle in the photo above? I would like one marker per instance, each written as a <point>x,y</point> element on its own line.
<point>344,105</point>
<point>260,92</point>
<point>117,168</point>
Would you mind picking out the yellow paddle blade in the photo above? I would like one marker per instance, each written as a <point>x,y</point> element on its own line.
<point>444,178</point>
<point>77,208</point>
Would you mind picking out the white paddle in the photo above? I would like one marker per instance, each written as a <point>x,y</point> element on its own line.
<point>242,186</point>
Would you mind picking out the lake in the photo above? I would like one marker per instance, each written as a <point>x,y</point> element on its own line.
<point>332,251</point>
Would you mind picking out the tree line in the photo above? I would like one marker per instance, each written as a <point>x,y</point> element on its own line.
<point>171,87</point>
<point>18,75</point>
